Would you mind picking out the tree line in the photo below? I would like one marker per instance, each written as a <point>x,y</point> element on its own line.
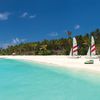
<point>54,47</point>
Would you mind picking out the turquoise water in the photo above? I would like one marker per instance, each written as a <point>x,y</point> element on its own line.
<point>25,81</point>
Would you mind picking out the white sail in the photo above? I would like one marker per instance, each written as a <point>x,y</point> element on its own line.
<point>75,47</point>
<point>88,53</point>
<point>93,48</point>
<point>71,52</point>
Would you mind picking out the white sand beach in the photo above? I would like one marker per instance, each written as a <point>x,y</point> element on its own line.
<point>62,61</point>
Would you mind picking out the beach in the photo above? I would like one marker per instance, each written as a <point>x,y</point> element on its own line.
<point>75,64</point>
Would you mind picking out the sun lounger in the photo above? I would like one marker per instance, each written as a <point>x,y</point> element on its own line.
<point>89,62</point>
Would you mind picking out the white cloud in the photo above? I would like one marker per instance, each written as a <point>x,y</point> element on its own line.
<point>53,34</point>
<point>4,16</point>
<point>32,16</point>
<point>77,27</point>
<point>27,15</point>
<point>13,42</point>
<point>18,41</point>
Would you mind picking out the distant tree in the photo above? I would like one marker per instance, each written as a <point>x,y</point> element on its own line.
<point>55,46</point>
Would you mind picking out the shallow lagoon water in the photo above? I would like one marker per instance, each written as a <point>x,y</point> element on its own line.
<point>33,81</point>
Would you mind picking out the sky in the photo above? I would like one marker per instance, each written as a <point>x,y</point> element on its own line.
<point>36,20</point>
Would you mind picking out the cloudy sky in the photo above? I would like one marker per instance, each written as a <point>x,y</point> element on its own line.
<point>34,20</point>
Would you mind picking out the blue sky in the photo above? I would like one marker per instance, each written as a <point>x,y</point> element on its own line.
<point>34,20</point>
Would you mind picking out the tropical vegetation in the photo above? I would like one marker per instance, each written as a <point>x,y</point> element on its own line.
<point>54,47</point>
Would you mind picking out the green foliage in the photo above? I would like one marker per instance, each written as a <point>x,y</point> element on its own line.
<point>54,47</point>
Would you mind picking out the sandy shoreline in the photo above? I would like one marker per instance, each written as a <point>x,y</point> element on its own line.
<point>62,61</point>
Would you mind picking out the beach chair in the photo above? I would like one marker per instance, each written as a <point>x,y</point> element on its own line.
<point>89,62</point>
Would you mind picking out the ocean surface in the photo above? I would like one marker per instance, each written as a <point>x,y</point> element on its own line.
<point>21,80</point>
